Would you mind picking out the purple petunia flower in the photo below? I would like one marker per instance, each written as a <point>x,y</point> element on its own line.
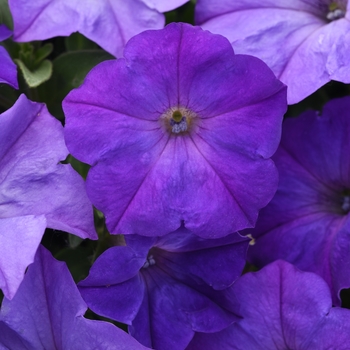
<point>308,221</point>
<point>47,313</point>
<point>167,289</point>
<point>108,23</point>
<point>180,131</point>
<point>305,43</point>
<point>282,308</point>
<point>8,69</point>
<point>35,191</point>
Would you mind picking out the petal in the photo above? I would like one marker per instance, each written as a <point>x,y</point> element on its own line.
<point>121,119</point>
<point>217,266</point>
<point>142,324</point>
<point>207,9</point>
<point>8,69</point>
<point>293,309</point>
<point>276,27</point>
<point>31,181</point>
<point>113,288</point>
<point>162,6</point>
<point>19,240</point>
<point>99,335</point>
<point>313,50</point>
<point>47,312</point>
<point>314,243</point>
<point>322,147</point>
<point>99,21</point>
<point>313,64</point>
<point>178,311</point>
<point>11,339</point>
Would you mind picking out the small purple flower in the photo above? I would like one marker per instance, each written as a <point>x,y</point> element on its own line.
<point>47,313</point>
<point>166,289</point>
<point>308,221</point>
<point>108,23</point>
<point>281,308</point>
<point>35,190</point>
<point>179,131</point>
<point>8,69</point>
<point>305,43</point>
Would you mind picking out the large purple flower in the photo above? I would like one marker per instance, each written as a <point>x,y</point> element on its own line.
<point>167,288</point>
<point>108,23</point>
<point>178,131</point>
<point>47,313</point>
<point>308,221</point>
<point>305,43</point>
<point>8,69</point>
<point>35,191</point>
<point>282,308</point>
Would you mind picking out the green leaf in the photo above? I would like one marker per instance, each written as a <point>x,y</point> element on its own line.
<point>43,52</point>
<point>74,241</point>
<point>5,14</point>
<point>77,42</point>
<point>69,71</point>
<point>38,76</point>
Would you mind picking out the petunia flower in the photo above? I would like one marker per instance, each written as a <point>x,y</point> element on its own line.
<point>8,69</point>
<point>48,313</point>
<point>282,308</point>
<point>308,221</point>
<point>305,43</point>
<point>179,131</point>
<point>166,289</point>
<point>108,23</point>
<point>35,190</point>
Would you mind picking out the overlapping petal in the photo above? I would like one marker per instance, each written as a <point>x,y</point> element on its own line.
<point>35,190</point>
<point>149,181</point>
<point>167,288</point>
<point>293,310</point>
<point>164,6</point>
<point>297,41</point>
<point>47,313</point>
<point>108,23</point>
<point>308,222</point>
<point>8,69</point>
<point>19,239</point>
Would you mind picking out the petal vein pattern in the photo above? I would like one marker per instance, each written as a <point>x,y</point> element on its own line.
<point>108,23</point>
<point>304,43</point>
<point>36,191</point>
<point>181,125</point>
<point>308,222</point>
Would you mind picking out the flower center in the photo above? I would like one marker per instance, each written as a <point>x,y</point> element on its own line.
<point>336,10</point>
<point>149,262</point>
<point>346,201</point>
<point>178,120</point>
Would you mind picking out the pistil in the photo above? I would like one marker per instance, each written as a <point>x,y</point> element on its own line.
<point>178,120</point>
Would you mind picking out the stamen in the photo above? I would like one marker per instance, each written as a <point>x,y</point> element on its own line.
<point>335,12</point>
<point>252,239</point>
<point>346,204</point>
<point>177,127</point>
<point>149,262</point>
<point>179,120</point>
